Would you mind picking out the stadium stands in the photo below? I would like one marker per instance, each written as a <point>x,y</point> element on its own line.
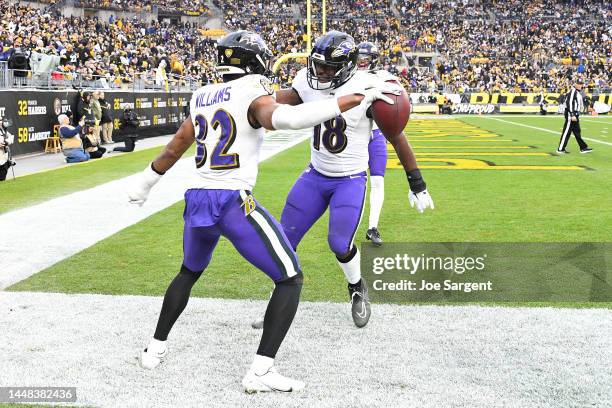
<point>455,45</point>
<point>185,7</point>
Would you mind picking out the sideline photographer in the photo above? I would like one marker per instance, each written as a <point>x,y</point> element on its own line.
<point>72,146</point>
<point>89,137</point>
<point>130,122</point>
<point>6,139</point>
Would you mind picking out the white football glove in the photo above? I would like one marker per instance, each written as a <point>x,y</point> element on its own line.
<point>421,200</point>
<point>139,188</point>
<point>377,89</point>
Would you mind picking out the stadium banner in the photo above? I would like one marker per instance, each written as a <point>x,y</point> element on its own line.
<point>519,109</point>
<point>488,272</point>
<point>527,98</point>
<point>425,108</point>
<point>464,108</point>
<point>485,103</point>
<point>34,114</point>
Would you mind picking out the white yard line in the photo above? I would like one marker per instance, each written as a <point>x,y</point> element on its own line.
<point>549,131</point>
<point>598,121</point>
<point>46,233</point>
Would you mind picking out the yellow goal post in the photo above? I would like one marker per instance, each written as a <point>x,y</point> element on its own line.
<point>303,55</point>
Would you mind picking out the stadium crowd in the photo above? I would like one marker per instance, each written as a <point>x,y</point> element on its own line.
<point>186,7</point>
<point>117,52</point>
<point>455,45</point>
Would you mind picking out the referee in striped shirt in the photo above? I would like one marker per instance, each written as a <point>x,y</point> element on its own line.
<point>573,108</point>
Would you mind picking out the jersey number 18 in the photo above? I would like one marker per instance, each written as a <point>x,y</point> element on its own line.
<point>333,138</point>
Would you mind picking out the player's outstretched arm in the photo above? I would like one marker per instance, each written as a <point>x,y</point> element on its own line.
<point>288,97</point>
<point>418,196</point>
<point>174,150</point>
<point>267,112</point>
<point>141,185</point>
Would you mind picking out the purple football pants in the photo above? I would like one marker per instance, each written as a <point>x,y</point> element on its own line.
<point>377,150</point>
<point>310,196</point>
<point>236,215</point>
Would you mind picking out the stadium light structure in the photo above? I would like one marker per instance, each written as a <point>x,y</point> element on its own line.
<point>297,55</point>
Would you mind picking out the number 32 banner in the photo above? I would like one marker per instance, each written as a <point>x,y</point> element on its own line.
<point>34,113</point>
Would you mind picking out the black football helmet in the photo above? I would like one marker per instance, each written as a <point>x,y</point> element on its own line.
<point>335,55</point>
<point>242,53</point>
<point>367,56</point>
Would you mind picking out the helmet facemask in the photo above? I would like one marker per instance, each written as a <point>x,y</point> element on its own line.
<point>364,62</point>
<point>321,81</point>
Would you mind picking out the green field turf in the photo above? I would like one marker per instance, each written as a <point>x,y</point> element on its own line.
<point>471,205</point>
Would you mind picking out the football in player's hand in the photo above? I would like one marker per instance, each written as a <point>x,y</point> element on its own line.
<point>392,119</point>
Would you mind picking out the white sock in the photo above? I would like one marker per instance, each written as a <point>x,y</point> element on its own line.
<point>377,197</point>
<point>156,346</point>
<point>261,364</point>
<point>352,269</point>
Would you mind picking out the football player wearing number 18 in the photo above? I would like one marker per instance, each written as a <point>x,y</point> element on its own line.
<point>227,123</point>
<point>336,176</point>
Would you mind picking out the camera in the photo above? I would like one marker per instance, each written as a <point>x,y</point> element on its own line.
<point>5,140</point>
<point>88,126</point>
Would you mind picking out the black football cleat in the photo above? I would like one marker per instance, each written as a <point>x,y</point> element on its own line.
<point>562,152</point>
<point>374,236</point>
<point>586,150</point>
<point>360,303</point>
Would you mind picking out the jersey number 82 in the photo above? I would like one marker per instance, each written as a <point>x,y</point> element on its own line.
<point>220,158</point>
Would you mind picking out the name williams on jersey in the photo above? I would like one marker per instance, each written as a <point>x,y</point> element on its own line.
<point>212,98</point>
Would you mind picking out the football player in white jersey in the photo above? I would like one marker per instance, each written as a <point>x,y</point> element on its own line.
<point>227,122</point>
<point>336,176</point>
<point>367,60</point>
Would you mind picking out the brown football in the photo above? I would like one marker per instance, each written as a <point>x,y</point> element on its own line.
<point>392,119</point>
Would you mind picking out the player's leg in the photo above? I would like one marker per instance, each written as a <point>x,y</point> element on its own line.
<point>564,135</point>
<point>345,212</point>
<point>305,204</point>
<point>200,237</point>
<point>260,239</point>
<point>198,246</point>
<point>377,150</point>
<point>584,148</point>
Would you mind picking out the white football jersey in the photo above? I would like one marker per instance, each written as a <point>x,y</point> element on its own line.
<point>339,146</point>
<point>227,146</point>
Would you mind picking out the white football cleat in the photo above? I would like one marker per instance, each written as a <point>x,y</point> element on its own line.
<point>271,381</point>
<point>150,359</point>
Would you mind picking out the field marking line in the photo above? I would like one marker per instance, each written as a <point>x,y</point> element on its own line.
<point>598,121</point>
<point>548,130</point>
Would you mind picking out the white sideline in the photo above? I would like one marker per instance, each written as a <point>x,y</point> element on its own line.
<point>408,356</point>
<point>41,237</point>
<point>549,131</point>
